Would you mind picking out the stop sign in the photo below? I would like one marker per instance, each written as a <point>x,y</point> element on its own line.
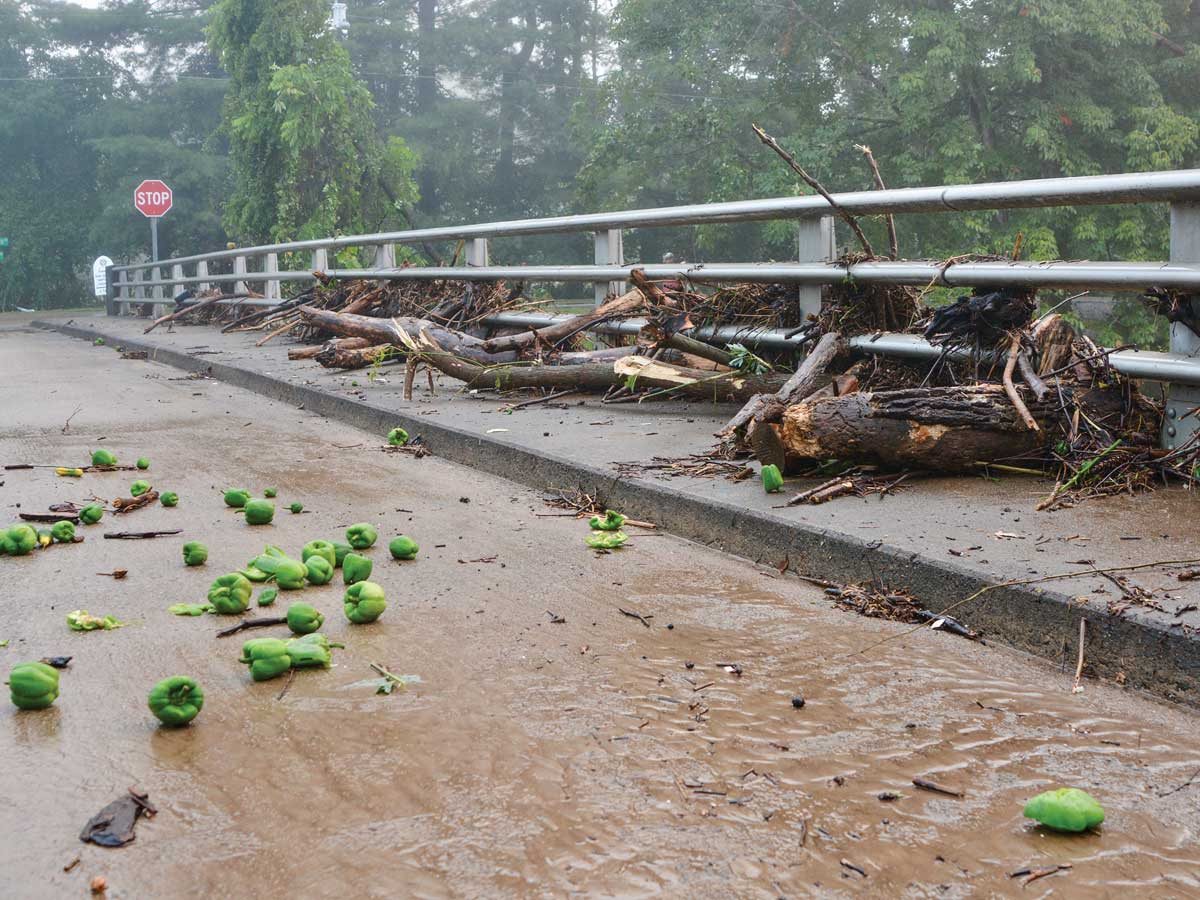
<point>152,198</point>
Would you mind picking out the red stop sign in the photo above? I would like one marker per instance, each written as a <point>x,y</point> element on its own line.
<point>152,198</point>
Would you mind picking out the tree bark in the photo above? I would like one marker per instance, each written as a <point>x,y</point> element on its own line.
<point>803,382</point>
<point>936,429</point>
<point>355,358</point>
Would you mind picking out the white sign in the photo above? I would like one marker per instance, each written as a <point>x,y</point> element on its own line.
<point>100,275</point>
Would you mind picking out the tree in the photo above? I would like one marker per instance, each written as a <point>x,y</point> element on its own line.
<point>305,158</point>
<point>944,91</point>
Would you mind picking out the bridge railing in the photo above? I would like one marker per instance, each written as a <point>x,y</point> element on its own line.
<point>814,264</point>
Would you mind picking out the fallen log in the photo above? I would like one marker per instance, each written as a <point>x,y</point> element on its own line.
<point>805,380</point>
<point>946,429</point>
<point>337,343</point>
<point>389,331</point>
<point>624,305</point>
<point>356,357</point>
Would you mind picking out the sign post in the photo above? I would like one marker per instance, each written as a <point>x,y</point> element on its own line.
<point>153,199</point>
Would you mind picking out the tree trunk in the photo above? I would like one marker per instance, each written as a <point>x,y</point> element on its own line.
<point>937,429</point>
<point>387,331</point>
<point>805,380</point>
<point>354,358</point>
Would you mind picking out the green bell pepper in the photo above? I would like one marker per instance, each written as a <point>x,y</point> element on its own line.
<point>304,619</point>
<point>20,540</point>
<point>397,437</point>
<point>175,701</point>
<point>267,597</point>
<point>194,554</point>
<point>339,554</point>
<point>306,654</point>
<point>606,540</point>
<point>355,568</point>
<point>143,463</point>
<point>612,521</point>
<point>319,548</point>
<point>315,638</point>
<point>103,458</point>
<point>297,507</point>
<point>236,497</point>
<point>1065,809</point>
<point>82,620</point>
<point>361,536</point>
<point>139,487</point>
<point>270,492</point>
<point>403,547</point>
<point>98,342</point>
<point>230,594</point>
<point>290,574</point>
<point>33,685</point>
<point>268,658</point>
<point>63,532</point>
<point>772,478</point>
<point>259,512</point>
<point>91,514</point>
<point>169,498</point>
<point>364,602</point>
<point>320,570</point>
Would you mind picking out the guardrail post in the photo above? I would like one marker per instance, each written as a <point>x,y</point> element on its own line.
<point>320,260</point>
<point>609,251</point>
<point>139,292</point>
<point>477,252</point>
<point>1178,426</point>
<point>202,272</point>
<point>385,256</point>
<point>156,292</point>
<point>815,244</point>
<point>111,292</point>
<point>176,273</point>
<point>123,294</point>
<point>239,268</point>
<point>271,285</point>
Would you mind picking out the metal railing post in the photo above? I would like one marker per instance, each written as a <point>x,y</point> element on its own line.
<point>139,292</point>
<point>385,256</point>
<point>202,272</point>
<point>239,268</point>
<point>177,274</point>
<point>1178,425</point>
<point>320,260</point>
<point>123,294</point>
<point>609,247</point>
<point>156,292</point>
<point>271,285</point>
<point>815,243</point>
<point>477,252</point>
<point>111,292</point>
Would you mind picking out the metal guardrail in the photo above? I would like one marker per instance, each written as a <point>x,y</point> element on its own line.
<point>812,267</point>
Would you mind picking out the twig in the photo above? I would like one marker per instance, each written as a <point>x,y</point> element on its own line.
<point>816,186</point>
<point>252,623</point>
<point>1077,688</point>
<point>537,400</point>
<point>1014,349</point>
<point>138,535</point>
<point>893,242</point>
<point>291,678</point>
<point>1023,581</point>
<point>926,785</point>
<point>49,517</point>
<point>1040,872</point>
<point>1192,780</point>
<point>634,615</point>
<point>67,424</point>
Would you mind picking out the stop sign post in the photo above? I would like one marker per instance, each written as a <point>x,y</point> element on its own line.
<point>153,199</point>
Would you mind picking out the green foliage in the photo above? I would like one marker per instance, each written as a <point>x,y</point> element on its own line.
<point>306,159</point>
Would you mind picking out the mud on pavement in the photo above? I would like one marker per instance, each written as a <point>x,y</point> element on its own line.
<point>553,746</point>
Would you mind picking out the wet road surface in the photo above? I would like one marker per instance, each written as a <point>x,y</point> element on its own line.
<point>534,758</point>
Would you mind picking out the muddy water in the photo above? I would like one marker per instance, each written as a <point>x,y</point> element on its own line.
<point>533,758</point>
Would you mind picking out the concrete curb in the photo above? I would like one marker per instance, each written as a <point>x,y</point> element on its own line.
<point>1150,657</point>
